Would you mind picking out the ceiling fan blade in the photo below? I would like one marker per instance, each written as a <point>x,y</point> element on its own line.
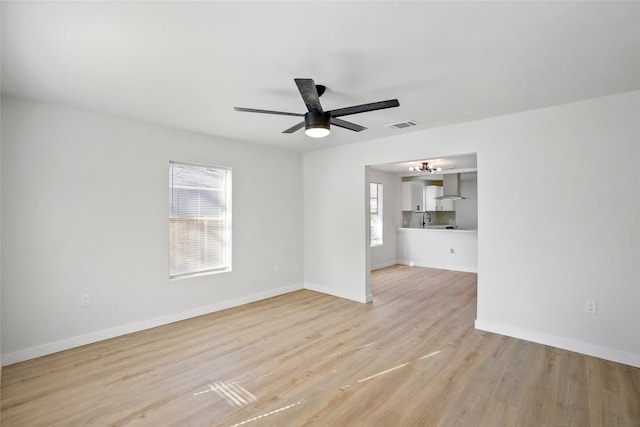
<point>292,129</point>
<point>380,105</point>
<point>279,113</point>
<point>309,92</point>
<point>347,125</point>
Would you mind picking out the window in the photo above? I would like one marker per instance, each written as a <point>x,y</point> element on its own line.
<point>199,220</point>
<point>375,209</point>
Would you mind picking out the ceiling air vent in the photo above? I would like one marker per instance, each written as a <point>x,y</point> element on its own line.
<point>402,125</point>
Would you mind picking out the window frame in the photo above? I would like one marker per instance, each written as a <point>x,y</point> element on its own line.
<point>225,217</point>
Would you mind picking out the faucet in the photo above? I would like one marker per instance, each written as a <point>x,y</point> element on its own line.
<point>426,215</point>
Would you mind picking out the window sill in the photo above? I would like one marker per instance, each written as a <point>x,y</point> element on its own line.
<point>202,273</point>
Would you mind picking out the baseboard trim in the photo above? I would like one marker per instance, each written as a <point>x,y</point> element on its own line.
<point>577,346</point>
<point>66,344</point>
<point>462,268</point>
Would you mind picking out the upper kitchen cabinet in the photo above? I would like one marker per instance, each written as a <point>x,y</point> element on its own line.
<point>430,193</point>
<point>412,196</point>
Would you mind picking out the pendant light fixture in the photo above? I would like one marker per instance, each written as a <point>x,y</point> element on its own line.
<point>425,167</point>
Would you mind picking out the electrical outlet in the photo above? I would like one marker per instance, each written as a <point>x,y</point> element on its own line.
<point>85,301</point>
<point>591,307</point>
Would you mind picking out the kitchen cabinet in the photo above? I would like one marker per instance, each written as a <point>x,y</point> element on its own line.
<point>431,204</point>
<point>430,192</point>
<point>412,196</point>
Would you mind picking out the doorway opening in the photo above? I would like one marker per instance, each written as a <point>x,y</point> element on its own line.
<point>429,214</point>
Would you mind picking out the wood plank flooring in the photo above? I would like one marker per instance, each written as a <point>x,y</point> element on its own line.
<point>411,358</point>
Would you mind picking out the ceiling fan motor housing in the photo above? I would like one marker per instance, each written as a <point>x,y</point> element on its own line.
<point>314,119</point>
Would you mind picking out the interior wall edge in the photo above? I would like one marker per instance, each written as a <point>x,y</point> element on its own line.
<point>385,264</point>
<point>335,293</point>
<point>66,344</point>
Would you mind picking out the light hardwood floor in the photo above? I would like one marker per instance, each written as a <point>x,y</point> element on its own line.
<point>411,358</point>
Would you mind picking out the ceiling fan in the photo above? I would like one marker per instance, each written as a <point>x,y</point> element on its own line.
<point>317,121</point>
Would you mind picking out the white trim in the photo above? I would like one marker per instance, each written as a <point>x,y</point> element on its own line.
<point>54,347</point>
<point>462,268</point>
<point>570,344</point>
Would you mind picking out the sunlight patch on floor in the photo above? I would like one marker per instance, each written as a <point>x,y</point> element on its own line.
<point>284,408</point>
<point>386,371</point>
<point>232,392</point>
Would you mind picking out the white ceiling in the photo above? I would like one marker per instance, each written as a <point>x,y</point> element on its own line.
<point>187,64</point>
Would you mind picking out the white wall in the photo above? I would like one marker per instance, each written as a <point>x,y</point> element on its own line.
<point>555,227</point>
<point>84,210</point>
<point>386,254</point>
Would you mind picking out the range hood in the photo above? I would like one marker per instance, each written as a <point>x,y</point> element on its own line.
<point>451,187</point>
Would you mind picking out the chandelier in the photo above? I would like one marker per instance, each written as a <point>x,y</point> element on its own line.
<point>425,167</point>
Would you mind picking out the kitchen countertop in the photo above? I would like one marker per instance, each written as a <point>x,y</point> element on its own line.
<point>441,228</point>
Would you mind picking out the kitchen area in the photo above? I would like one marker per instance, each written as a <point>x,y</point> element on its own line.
<point>437,213</point>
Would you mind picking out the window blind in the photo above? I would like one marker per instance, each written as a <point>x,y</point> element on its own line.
<point>199,223</point>
<point>375,213</point>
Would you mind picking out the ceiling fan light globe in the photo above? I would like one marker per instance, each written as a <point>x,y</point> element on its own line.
<point>317,132</point>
